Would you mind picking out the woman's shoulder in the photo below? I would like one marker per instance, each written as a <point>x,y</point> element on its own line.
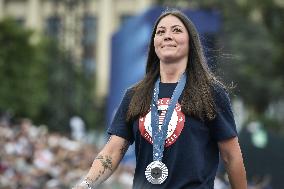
<point>220,94</point>
<point>131,90</point>
<point>219,89</point>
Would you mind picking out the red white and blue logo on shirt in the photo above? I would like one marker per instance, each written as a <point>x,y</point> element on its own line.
<point>174,128</point>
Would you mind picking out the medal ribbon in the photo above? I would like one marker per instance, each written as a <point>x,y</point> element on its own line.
<point>159,136</point>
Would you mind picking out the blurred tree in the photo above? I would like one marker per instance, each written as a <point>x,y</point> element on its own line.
<point>70,92</point>
<point>252,32</point>
<point>272,16</point>
<point>22,71</point>
<point>60,84</point>
<point>40,81</point>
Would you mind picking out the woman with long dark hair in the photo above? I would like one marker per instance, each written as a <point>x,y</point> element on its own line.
<point>179,116</point>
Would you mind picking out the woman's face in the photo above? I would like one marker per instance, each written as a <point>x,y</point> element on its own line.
<point>171,40</point>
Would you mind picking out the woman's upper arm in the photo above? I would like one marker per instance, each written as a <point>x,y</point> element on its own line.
<point>229,149</point>
<point>233,161</point>
<point>116,146</point>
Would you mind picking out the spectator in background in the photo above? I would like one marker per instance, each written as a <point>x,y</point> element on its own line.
<point>5,118</point>
<point>33,158</point>
<point>77,128</point>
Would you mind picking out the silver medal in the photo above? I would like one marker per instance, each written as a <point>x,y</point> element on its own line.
<point>156,172</point>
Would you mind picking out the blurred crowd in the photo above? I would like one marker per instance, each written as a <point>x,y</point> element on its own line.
<point>33,158</point>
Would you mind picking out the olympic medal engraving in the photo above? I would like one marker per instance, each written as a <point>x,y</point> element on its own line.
<point>156,172</point>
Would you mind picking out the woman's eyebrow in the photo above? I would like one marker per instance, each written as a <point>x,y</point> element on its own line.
<point>171,26</point>
<point>163,27</point>
<point>176,26</point>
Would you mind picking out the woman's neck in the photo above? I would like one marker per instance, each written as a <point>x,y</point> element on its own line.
<point>171,72</point>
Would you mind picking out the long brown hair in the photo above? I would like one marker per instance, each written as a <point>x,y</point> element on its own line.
<point>197,97</point>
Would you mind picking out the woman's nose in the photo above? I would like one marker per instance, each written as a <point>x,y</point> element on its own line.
<point>168,36</point>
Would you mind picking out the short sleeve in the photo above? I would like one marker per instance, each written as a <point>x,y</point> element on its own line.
<point>119,125</point>
<point>223,126</point>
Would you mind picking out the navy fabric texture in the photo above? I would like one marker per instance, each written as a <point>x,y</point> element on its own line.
<point>192,160</point>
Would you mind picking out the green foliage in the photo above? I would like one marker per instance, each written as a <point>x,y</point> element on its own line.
<point>40,81</point>
<point>22,71</point>
<point>70,92</point>
<point>254,65</point>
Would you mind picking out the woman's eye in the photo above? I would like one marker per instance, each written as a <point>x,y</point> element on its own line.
<point>177,30</point>
<point>160,32</point>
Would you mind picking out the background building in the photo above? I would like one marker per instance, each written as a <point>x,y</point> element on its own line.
<point>83,28</point>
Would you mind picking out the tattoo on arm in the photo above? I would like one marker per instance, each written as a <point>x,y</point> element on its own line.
<point>124,147</point>
<point>99,157</point>
<point>106,162</point>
